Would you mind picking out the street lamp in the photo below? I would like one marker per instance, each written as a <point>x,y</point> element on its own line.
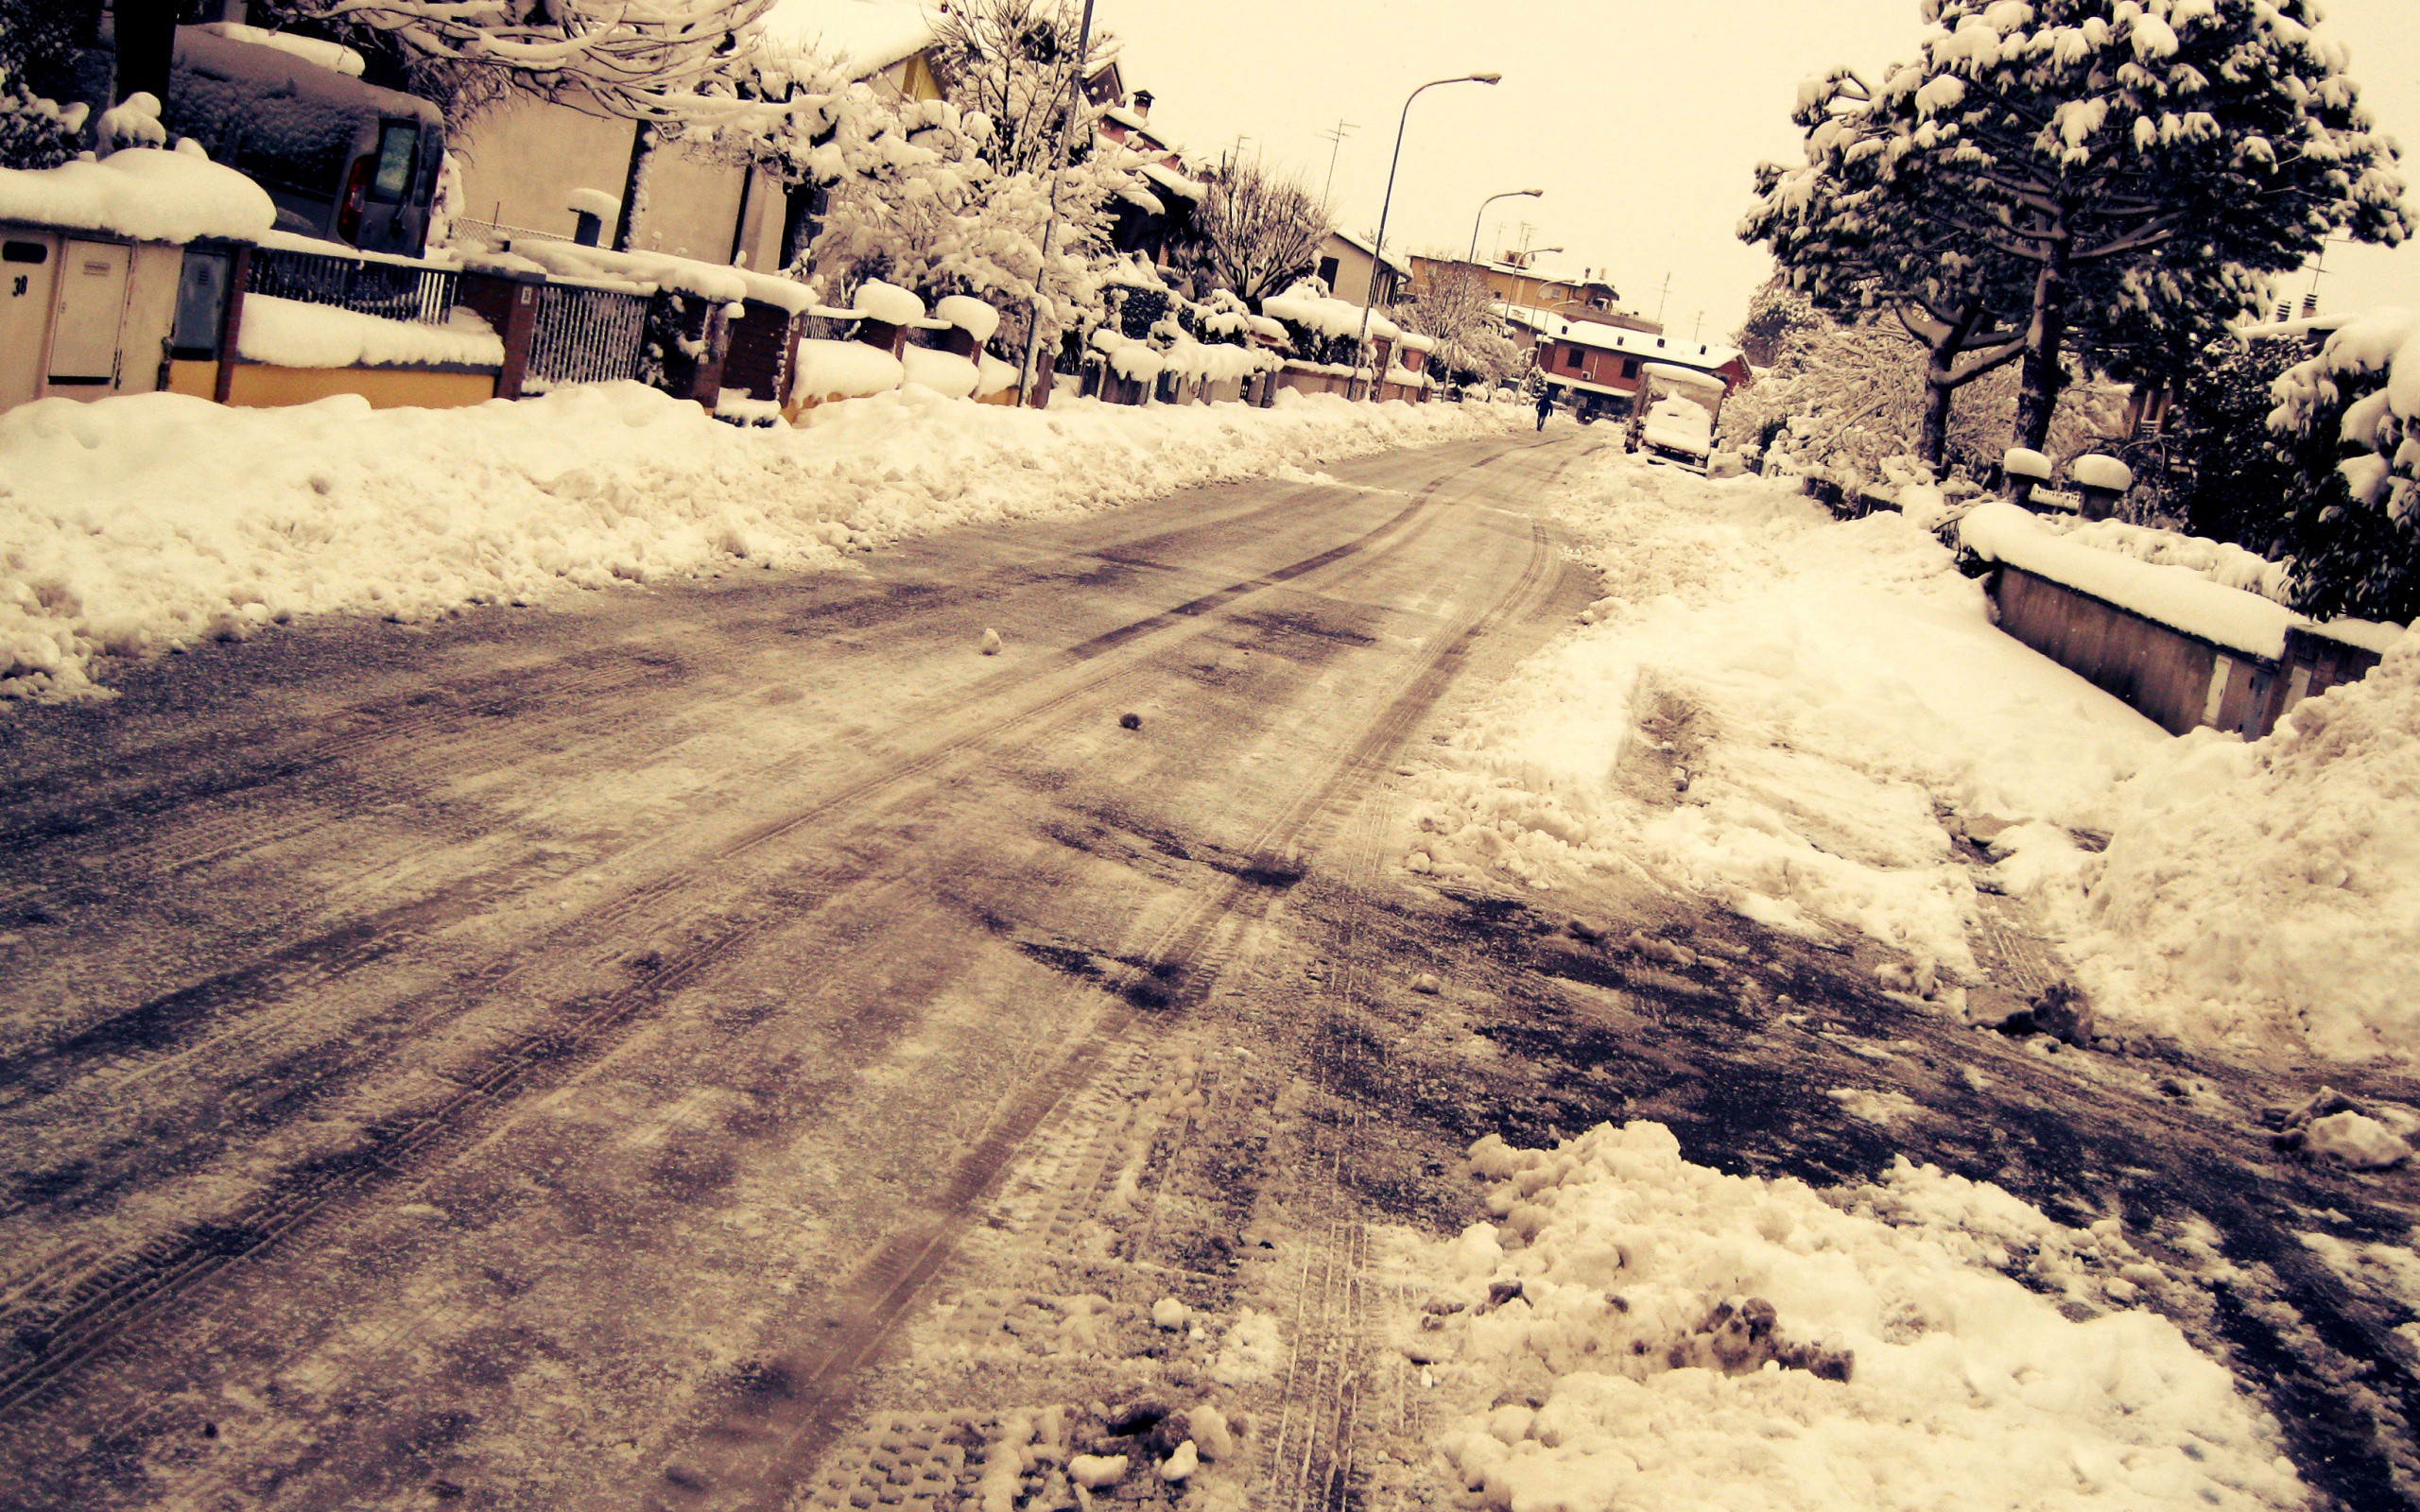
<point>1508,193</point>
<point>1378,252</point>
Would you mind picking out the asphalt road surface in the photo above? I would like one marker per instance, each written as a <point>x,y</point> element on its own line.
<point>713,1047</point>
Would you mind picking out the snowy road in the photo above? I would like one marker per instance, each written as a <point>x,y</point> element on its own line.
<point>472,1059</point>
<point>736,1046</point>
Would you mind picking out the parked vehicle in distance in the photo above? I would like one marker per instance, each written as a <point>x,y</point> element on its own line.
<point>1681,430</point>
<point>343,160</point>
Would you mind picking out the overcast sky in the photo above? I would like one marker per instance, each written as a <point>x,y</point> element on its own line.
<point>1641,119</point>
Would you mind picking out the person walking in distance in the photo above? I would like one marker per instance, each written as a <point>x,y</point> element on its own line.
<point>1546,407</point>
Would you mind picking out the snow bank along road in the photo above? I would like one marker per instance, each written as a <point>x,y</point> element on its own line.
<point>738,1046</point>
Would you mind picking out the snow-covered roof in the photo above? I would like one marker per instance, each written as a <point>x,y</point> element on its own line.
<point>1174,182</point>
<point>866,35</point>
<point>1368,249</point>
<point>144,194</point>
<point>1674,373</point>
<point>1126,118</point>
<point>1700,355</point>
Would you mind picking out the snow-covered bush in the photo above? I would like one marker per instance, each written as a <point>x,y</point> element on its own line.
<point>35,131</point>
<point>2350,417</point>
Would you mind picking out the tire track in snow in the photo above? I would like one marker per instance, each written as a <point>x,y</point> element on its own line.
<point>97,1307</point>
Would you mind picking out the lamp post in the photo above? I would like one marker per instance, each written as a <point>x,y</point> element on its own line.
<point>1050,227</point>
<point>1508,193</point>
<point>1378,252</point>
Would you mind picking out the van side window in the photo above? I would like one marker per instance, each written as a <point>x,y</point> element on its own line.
<point>397,141</point>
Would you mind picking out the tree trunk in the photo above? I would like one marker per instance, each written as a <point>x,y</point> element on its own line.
<point>147,44</point>
<point>1932,434</point>
<point>626,224</point>
<point>2039,375</point>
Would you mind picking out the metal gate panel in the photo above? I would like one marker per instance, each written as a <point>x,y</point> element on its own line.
<point>91,303</point>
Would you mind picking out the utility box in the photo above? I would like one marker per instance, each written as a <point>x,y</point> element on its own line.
<point>83,317</point>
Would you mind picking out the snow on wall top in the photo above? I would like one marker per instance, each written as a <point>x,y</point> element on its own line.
<point>1329,316</point>
<point>969,314</point>
<point>144,194</point>
<point>1174,182</point>
<point>290,334</point>
<point>889,304</point>
<point>2175,596</point>
<point>867,36</point>
<point>712,281</point>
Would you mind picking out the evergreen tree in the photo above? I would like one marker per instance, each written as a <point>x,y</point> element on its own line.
<point>2131,165</point>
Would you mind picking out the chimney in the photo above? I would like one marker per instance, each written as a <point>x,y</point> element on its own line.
<point>1143,103</point>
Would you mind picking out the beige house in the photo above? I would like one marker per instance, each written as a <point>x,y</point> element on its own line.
<point>1346,263</point>
<point>522,163</point>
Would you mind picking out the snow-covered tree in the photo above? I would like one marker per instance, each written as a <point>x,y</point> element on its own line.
<point>1457,308</point>
<point>1258,232</point>
<point>1852,247</point>
<point>1015,60</point>
<point>2146,161</point>
<point>1853,399</point>
<point>1778,310</point>
<point>2349,419</point>
<point>671,62</point>
<point>926,211</point>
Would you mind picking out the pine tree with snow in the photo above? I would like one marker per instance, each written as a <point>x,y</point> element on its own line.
<point>2139,162</point>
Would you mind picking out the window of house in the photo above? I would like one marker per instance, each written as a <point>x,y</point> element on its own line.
<point>1327,273</point>
<point>1630,366</point>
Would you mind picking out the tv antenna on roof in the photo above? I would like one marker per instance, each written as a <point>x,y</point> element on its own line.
<point>1336,136</point>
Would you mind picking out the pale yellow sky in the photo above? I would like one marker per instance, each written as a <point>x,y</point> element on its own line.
<point>1642,119</point>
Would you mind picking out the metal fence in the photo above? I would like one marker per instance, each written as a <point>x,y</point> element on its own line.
<point>399,291</point>
<point>581,335</point>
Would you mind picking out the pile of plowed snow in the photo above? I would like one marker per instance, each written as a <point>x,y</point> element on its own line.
<point>2277,882</point>
<point>1640,1332</point>
<point>140,523</point>
<point>1773,709</point>
<point>1791,715</point>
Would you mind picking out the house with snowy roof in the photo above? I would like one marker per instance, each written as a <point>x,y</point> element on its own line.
<point>524,163</point>
<point>1584,296</point>
<point>1155,213</point>
<point>1349,266</point>
<point>1606,365</point>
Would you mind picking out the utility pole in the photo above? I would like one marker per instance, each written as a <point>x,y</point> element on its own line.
<point>1336,136</point>
<point>1660,298</point>
<point>1051,228</point>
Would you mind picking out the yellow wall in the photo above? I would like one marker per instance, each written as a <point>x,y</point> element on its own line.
<point>197,378</point>
<point>260,386</point>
